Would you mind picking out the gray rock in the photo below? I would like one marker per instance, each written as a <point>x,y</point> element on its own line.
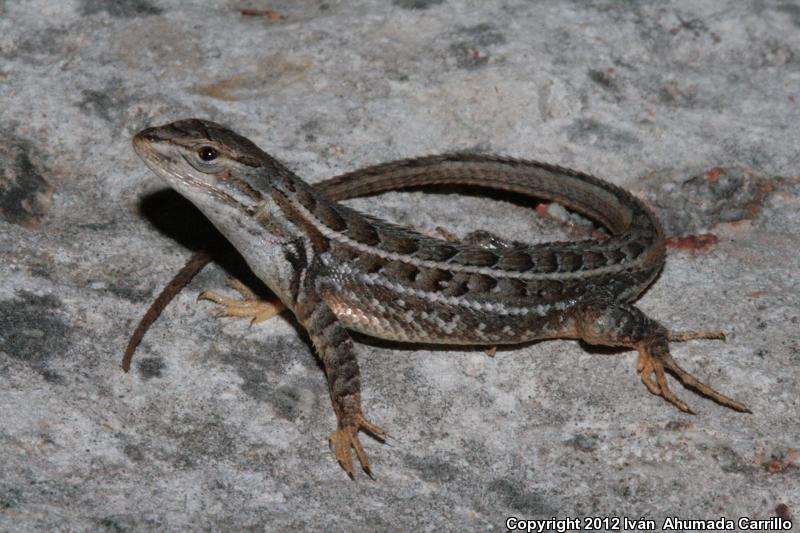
<point>221,426</point>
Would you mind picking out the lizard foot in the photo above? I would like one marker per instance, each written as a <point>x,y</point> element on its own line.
<point>652,364</point>
<point>249,306</point>
<point>346,437</point>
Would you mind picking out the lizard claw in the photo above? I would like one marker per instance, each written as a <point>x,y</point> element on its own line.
<point>346,438</point>
<point>650,365</point>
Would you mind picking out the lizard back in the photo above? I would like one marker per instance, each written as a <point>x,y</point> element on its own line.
<point>391,282</point>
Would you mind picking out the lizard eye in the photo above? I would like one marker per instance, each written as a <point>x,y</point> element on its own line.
<point>207,153</point>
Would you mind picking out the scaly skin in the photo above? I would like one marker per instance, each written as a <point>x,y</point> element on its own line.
<point>337,269</point>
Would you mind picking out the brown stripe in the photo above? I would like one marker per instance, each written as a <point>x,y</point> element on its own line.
<point>319,241</point>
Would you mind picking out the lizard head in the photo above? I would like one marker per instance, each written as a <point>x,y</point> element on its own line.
<point>222,173</point>
<point>205,162</point>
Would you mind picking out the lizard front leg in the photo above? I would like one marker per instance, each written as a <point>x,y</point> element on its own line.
<point>335,348</point>
<point>620,324</point>
<point>250,305</point>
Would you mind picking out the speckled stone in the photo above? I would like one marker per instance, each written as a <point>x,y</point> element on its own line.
<point>693,106</point>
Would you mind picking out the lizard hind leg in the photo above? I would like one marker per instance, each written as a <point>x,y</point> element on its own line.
<point>248,306</point>
<point>625,325</point>
<point>660,359</point>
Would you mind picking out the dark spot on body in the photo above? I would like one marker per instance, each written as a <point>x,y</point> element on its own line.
<point>458,286</point>
<point>288,182</point>
<point>544,261</point>
<point>307,199</point>
<point>613,257</point>
<point>476,257</point>
<point>486,239</point>
<point>512,287</point>
<point>515,261</point>
<point>436,252</point>
<point>480,283</point>
<point>369,263</point>
<point>399,244</point>
<point>320,319</point>
<point>633,250</point>
<point>548,290</point>
<point>569,261</point>
<point>593,260</point>
<point>328,215</point>
<point>362,231</point>
<point>401,271</point>
<point>344,253</point>
<point>296,254</point>
<point>433,279</point>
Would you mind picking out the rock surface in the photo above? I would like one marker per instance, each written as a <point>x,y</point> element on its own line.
<point>692,106</point>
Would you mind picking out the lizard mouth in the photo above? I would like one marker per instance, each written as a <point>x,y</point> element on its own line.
<point>149,145</point>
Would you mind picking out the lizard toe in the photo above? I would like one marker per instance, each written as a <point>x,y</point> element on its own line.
<point>345,440</point>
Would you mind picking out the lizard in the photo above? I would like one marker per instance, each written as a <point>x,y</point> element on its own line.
<point>338,270</point>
